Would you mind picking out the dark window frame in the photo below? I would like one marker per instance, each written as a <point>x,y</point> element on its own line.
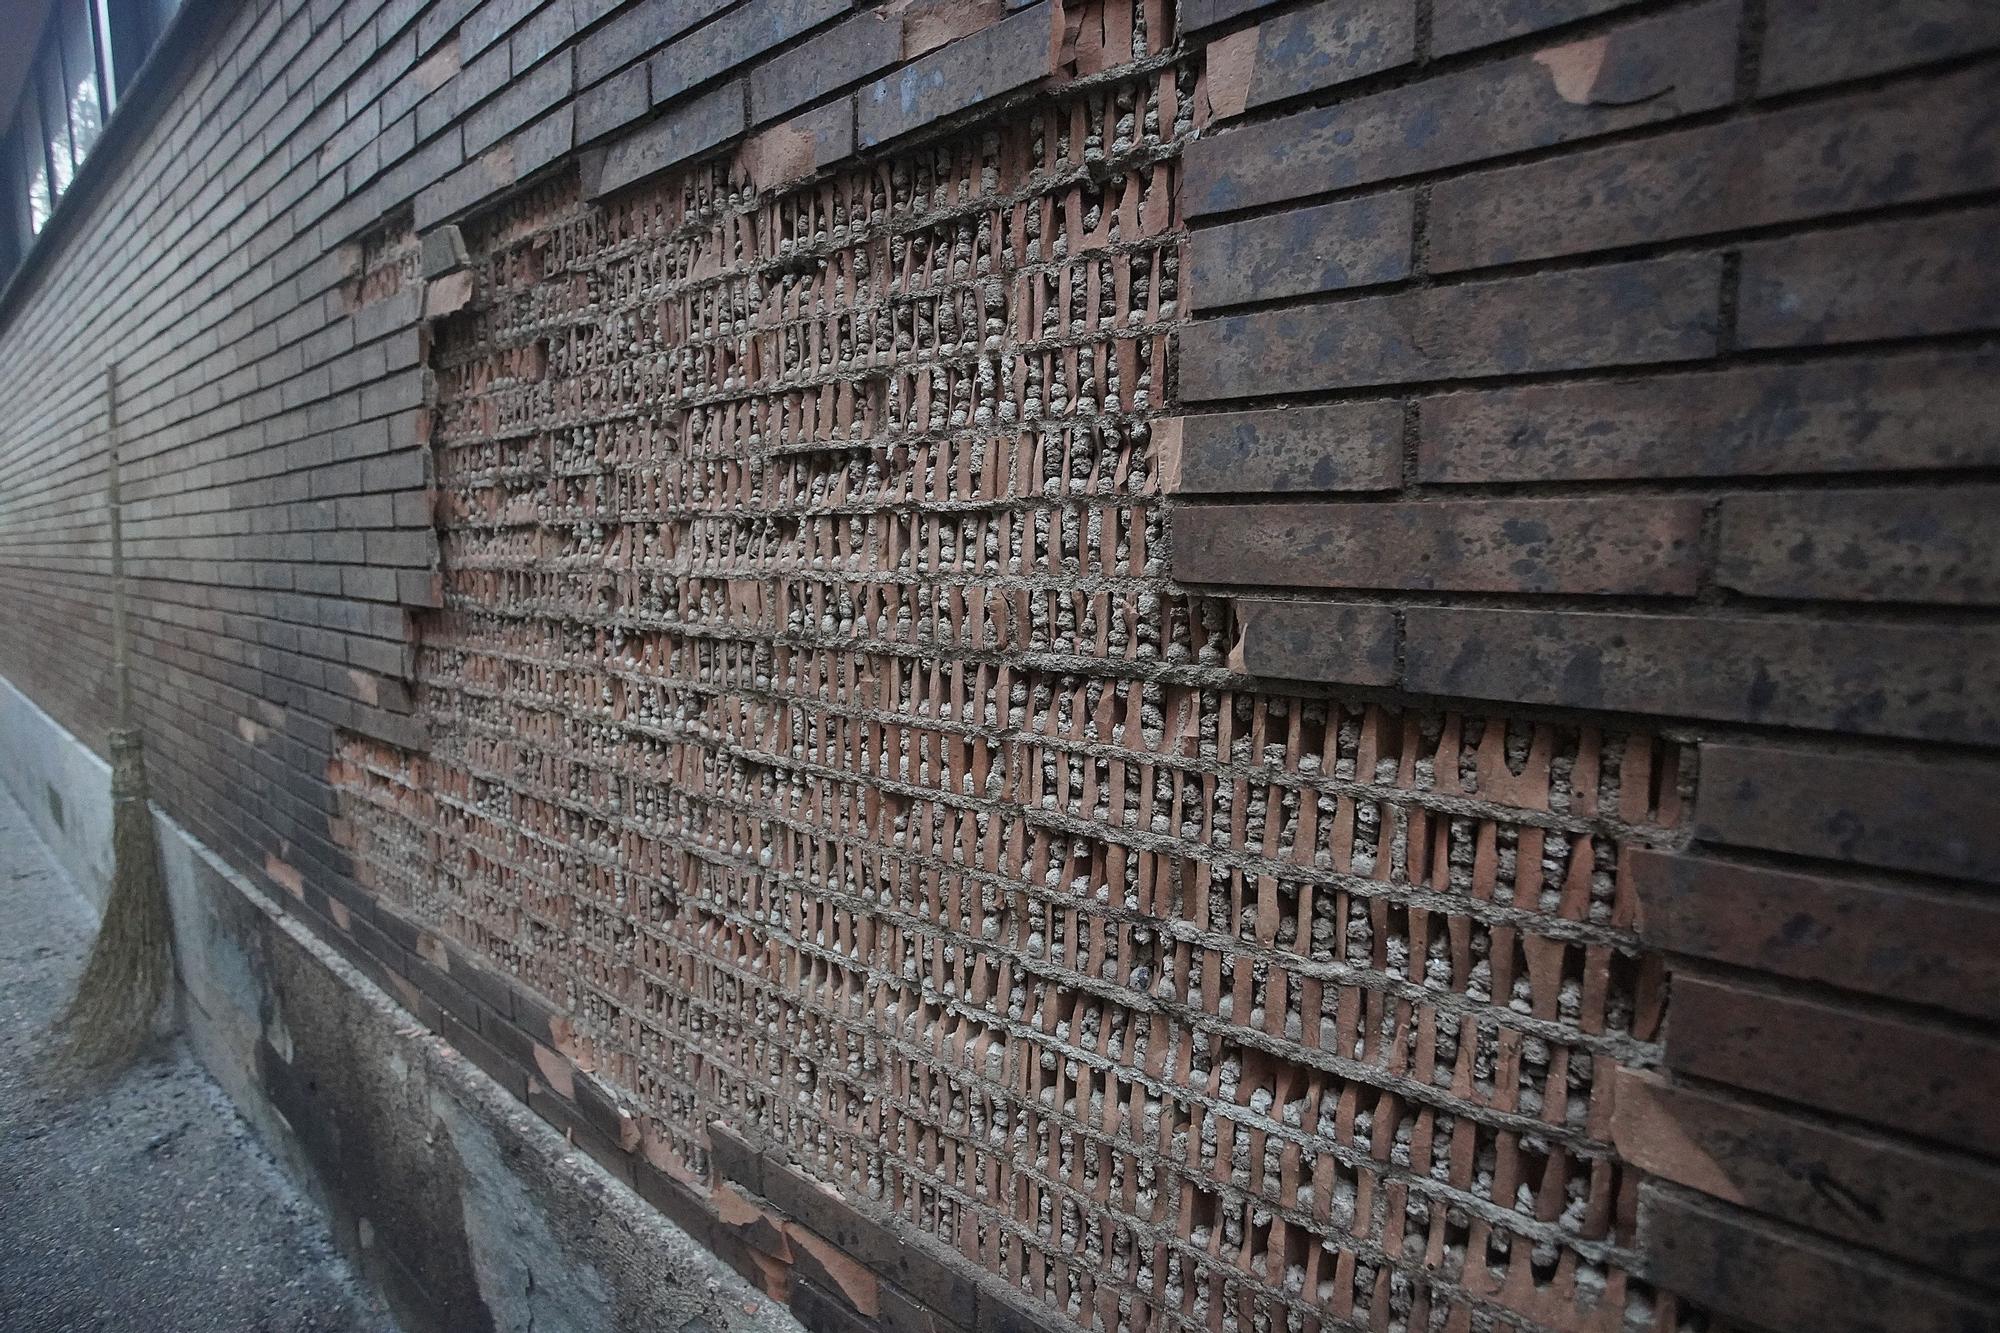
<point>123,37</point>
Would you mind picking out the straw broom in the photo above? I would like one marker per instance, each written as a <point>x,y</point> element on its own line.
<point>110,1019</point>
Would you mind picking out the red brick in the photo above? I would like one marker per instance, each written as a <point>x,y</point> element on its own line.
<point>1846,415</point>
<point>1885,679</point>
<point>1744,1268</point>
<point>1932,815</point>
<point>1928,545</point>
<point>1868,150</point>
<point>1941,1210</point>
<point>1923,1079</point>
<point>1549,546</point>
<point>1905,944</point>
<point>1620,314</point>
<point>1649,70</point>
<point>1887,280</point>
<point>794,149</point>
<point>1358,243</point>
<point>1813,42</point>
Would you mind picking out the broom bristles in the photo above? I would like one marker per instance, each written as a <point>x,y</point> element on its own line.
<point>110,1019</point>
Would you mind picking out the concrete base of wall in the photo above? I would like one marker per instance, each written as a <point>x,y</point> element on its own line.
<point>466,1211</point>
<point>63,785</point>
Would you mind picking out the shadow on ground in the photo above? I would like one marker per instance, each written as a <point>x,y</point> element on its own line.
<point>145,1204</point>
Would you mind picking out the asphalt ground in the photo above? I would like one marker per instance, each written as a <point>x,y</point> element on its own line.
<point>143,1203</point>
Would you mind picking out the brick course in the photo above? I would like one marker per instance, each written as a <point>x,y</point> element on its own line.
<point>1069,665</point>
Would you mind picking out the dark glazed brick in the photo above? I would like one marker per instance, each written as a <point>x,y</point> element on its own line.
<point>1353,244</point>
<point>598,1106</point>
<point>1620,314</point>
<point>1923,947</point>
<point>1548,546</point>
<point>508,1037</point>
<point>492,20</point>
<point>1745,1268</point>
<point>443,251</point>
<point>1891,280</point>
<point>450,996</point>
<point>1870,150</point>
<point>853,50</point>
<point>439,20</point>
<point>1934,816</point>
<point>1931,545</point>
<point>547,32</point>
<point>1344,447</point>
<point>548,139</point>
<point>684,131</point>
<point>903,1313</point>
<point>733,1158</point>
<point>1011,54</point>
<point>998,1314</point>
<point>1941,1210</point>
<point>738,36</point>
<point>819,1311</point>
<point>1916,1078</point>
<point>1811,42</point>
<point>1319,47</point>
<point>1460,25</point>
<point>1651,70</point>
<point>677,1201</point>
<point>522,101</point>
<point>493,990</point>
<point>564,1119</point>
<point>638,31</point>
<point>503,1070</point>
<point>613,104</point>
<point>1883,679</point>
<point>1847,415</point>
<point>1198,14</point>
<point>535,1015</point>
<point>473,84</point>
<point>931,1280</point>
<point>460,192</point>
<point>1342,642</point>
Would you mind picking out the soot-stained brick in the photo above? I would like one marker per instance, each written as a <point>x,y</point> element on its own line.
<point>1654,69</point>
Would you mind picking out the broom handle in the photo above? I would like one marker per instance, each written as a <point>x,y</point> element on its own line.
<point>121,664</point>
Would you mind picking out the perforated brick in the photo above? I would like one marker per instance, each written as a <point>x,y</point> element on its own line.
<point>814,724</point>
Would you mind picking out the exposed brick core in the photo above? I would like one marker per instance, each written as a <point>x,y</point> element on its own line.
<point>813,725</point>
<point>1047,660</point>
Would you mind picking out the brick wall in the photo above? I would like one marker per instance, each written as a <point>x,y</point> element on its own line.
<point>1646,366</point>
<point>1222,666</point>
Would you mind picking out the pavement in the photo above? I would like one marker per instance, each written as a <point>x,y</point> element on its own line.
<point>144,1203</point>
